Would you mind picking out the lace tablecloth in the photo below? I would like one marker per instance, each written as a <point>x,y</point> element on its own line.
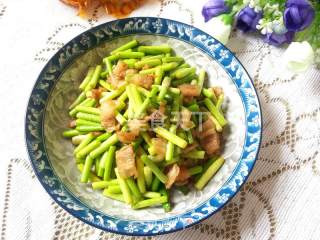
<point>279,201</point>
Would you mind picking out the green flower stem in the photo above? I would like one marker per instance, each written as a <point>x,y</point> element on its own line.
<point>118,197</point>
<point>124,188</point>
<point>126,46</point>
<point>155,49</point>
<point>114,189</point>
<point>141,179</point>
<point>133,188</point>
<point>209,173</point>
<point>104,184</point>
<point>171,137</point>
<point>152,195</point>
<point>154,168</point>
<point>150,202</point>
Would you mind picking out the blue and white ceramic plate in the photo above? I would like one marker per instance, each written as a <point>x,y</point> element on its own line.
<point>51,154</point>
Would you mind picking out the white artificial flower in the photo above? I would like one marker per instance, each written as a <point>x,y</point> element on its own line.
<point>278,26</point>
<point>265,26</point>
<point>274,23</point>
<point>272,10</point>
<point>299,56</point>
<point>219,30</point>
<point>268,8</point>
<point>255,4</point>
<point>277,14</point>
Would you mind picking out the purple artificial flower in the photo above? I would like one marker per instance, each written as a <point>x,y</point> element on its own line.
<point>247,19</point>
<point>298,15</point>
<point>214,8</point>
<point>279,39</point>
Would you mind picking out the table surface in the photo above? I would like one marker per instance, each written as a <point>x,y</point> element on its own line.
<point>279,201</point>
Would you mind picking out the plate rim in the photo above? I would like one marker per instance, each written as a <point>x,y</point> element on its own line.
<point>121,223</point>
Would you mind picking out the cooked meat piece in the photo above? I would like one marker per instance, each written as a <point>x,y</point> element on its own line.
<point>108,119</point>
<point>131,71</point>
<point>162,108</point>
<point>96,93</point>
<point>189,90</point>
<point>208,125</point>
<point>125,159</point>
<point>108,109</point>
<point>203,129</point>
<point>217,91</point>
<point>126,137</point>
<point>194,132</point>
<point>143,80</point>
<point>115,81</point>
<point>111,125</point>
<point>137,125</point>
<point>190,147</point>
<point>206,133</point>
<point>172,175</point>
<point>160,146</point>
<point>72,124</point>
<point>156,116</point>
<point>96,134</point>
<point>120,70</point>
<point>118,75</point>
<point>211,144</point>
<point>183,174</point>
<point>188,163</point>
<point>187,100</point>
<point>146,66</point>
<point>181,183</point>
<point>209,137</point>
<point>185,119</point>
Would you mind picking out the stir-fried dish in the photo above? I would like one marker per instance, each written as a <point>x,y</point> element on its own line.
<point>145,124</point>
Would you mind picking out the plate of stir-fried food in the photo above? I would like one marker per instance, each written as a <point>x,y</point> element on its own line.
<point>143,126</point>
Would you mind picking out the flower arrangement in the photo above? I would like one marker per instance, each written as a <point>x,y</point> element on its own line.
<point>280,22</point>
